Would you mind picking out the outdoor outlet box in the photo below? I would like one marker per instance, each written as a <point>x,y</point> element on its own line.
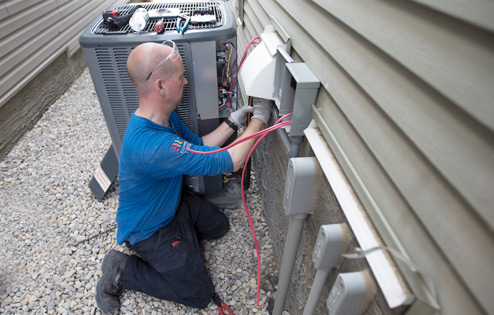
<point>331,242</point>
<point>351,293</point>
<point>300,178</point>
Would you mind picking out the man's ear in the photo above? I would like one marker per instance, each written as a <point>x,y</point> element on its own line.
<point>161,86</point>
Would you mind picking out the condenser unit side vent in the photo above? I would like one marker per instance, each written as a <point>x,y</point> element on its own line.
<point>184,109</point>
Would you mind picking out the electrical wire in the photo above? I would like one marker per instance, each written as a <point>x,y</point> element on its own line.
<point>234,63</point>
<point>111,228</point>
<point>229,74</point>
<point>232,85</point>
<point>263,133</point>
<point>228,64</point>
<point>225,75</point>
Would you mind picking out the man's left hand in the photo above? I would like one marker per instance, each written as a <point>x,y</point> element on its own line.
<point>239,116</point>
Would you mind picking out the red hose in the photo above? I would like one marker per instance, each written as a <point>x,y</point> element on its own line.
<point>254,135</point>
<point>247,208</point>
<point>263,133</point>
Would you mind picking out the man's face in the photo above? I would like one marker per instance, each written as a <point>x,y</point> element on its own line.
<point>176,83</point>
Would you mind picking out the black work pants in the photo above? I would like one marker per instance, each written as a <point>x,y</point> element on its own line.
<point>169,265</point>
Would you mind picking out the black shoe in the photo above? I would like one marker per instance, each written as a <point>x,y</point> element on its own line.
<point>110,285</point>
<point>113,258</point>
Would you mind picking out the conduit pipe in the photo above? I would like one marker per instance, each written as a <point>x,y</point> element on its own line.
<point>300,178</point>
<point>315,291</point>
<point>292,144</point>
<point>282,133</point>
<point>295,146</point>
<point>289,255</point>
<point>332,240</point>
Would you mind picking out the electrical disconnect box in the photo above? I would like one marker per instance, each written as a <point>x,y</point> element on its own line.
<point>351,293</point>
<point>282,96</point>
<point>331,242</point>
<point>299,180</point>
<point>295,91</point>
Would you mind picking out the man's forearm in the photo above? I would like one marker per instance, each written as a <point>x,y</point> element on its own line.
<point>218,136</point>
<point>239,152</point>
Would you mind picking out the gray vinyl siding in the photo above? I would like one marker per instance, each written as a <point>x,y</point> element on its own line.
<point>406,104</point>
<point>34,32</point>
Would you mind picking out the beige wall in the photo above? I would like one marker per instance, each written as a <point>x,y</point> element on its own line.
<point>34,36</point>
<point>406,104</point>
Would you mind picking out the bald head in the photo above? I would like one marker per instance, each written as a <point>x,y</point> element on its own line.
<point>143,59</point>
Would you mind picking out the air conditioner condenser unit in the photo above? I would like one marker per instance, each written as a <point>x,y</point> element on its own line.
<point>205,54</point>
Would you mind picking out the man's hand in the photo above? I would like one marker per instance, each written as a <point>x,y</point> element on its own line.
<point>262,109</point>
<point>239,116</point>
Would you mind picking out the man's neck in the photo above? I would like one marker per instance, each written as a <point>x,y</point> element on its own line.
<point>161,117</point>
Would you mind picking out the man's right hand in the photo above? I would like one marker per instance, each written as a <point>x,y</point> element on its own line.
<point>262,109</point>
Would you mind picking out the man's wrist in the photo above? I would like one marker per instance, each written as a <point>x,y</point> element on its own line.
<point>259,121</point>
<point>231,124</point>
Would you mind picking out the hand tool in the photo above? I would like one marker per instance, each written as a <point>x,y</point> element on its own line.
<point>182,27</point>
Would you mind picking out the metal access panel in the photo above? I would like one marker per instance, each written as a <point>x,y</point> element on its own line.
<point>201,46</point>
<point>295,90</point>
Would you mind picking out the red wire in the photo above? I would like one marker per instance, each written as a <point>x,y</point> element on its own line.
<point>254,135</point>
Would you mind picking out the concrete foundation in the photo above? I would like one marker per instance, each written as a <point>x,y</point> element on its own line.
<point>270,164</point>
<point>23,110</point>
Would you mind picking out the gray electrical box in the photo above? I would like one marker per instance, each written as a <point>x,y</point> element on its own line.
<point>332,240</point>
<point>351,293</point>
<point>300,178</point>
<point>283,95</point>
<point>295,91</point>
<point>304,86</point>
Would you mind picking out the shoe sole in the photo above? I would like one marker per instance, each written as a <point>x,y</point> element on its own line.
<point>99,302</point>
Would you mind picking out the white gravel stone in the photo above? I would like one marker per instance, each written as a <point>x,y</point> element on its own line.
<point>47,212</point>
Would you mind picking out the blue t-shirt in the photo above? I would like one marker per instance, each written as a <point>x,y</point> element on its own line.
<point>152,161</point>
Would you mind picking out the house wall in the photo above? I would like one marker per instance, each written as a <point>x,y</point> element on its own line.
<point>40,57</point>
<point>406,106</point>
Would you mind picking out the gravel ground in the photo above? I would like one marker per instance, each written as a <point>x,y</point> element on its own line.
<point>48,212</point>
